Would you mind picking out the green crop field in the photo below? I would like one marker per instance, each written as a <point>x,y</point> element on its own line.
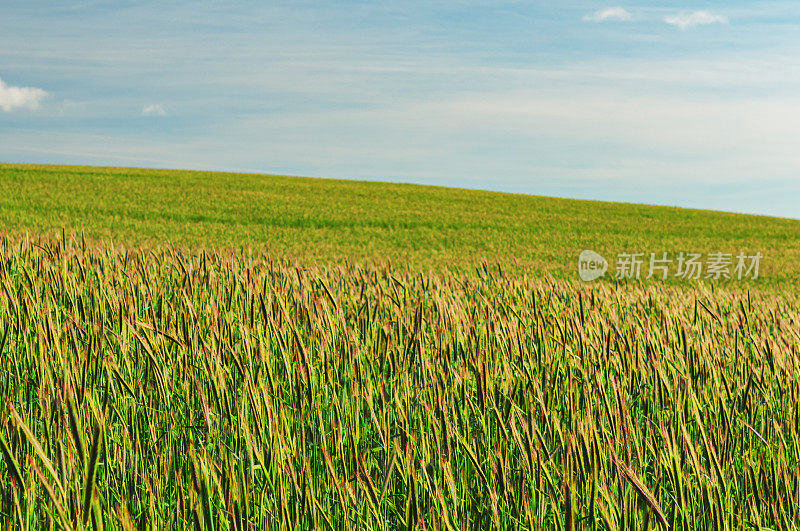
<point>234,352</point>
<point>316,221</point>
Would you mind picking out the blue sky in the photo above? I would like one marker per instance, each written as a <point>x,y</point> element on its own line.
<point>689,104</point>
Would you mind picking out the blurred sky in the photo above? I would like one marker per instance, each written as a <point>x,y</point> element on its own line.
<point>675,103</point>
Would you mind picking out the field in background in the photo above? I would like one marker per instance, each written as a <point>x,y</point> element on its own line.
<point>416,227</point>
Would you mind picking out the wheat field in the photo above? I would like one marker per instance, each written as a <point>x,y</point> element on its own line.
<point>164,389</point>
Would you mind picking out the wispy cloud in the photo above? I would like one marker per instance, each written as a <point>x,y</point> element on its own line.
<point>20,97</point>
<point>153,110</point>
<point>610,14</point>
<point>698,18</point>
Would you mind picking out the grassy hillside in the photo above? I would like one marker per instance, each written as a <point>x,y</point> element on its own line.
<point>183,386</point>
<point>327,220</point>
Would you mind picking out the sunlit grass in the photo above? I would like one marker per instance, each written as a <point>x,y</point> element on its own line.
<point>321,221</point>
<point>166,389</point>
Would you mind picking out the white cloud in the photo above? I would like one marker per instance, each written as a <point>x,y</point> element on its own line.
<point>698,18</point>
<point>20,97</point>
<point>153,110</point>
<point>612,13</point>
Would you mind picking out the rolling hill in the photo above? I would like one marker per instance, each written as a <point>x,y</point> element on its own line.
<point>413,226</point>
